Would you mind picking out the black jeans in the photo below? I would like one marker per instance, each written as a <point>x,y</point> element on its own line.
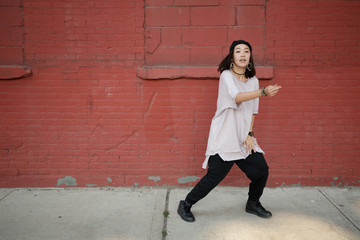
<point>254,166</point>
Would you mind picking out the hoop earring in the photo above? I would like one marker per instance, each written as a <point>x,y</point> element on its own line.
<point>231,65</point>
<point>248,67</point>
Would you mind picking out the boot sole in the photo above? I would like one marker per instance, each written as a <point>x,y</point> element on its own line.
<point>186,220</point>
<point>257,214</point>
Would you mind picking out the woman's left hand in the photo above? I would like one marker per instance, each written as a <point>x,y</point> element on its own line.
<point>250,144</point>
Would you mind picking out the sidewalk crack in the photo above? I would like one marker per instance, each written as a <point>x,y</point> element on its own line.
<point>334,204</point>
<point>166,214</point>
<point>7,194</point>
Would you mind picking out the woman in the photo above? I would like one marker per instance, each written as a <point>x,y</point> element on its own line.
<point>231,138</point>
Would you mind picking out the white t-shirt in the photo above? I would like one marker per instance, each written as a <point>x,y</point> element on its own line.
<point>231,123</point>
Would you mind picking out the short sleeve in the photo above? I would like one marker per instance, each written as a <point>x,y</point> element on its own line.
<point>256,106</point>
<point>256,102</point>
<point>228,86</point>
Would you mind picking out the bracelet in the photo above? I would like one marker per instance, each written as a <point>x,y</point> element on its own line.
<point>251,134</point>
<point>263,93</point>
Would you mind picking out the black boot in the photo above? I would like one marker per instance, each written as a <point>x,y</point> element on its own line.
<point>255,207</point>
<point>184,211</point>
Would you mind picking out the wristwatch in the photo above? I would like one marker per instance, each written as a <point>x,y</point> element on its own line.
<point>263,93</point>
<point>251,134</point>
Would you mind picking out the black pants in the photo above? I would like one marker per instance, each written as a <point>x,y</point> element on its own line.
<point>254,166</point>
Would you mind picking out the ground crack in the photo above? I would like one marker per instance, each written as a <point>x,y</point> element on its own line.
<point>166,214</point>
<point>334,204</point>
<point>7,194</point>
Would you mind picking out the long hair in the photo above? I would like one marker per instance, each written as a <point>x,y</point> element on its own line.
<point>225,63</point>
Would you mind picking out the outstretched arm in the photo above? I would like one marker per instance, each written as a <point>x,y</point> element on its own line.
<point>270,90</point>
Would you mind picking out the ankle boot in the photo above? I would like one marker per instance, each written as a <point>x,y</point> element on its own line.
<point>255,207</point>
<point>184,211</point>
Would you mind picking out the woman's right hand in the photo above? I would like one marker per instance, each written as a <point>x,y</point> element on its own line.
<point>272,90</point>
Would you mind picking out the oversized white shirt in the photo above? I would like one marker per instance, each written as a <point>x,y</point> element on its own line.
<point>231,123</point>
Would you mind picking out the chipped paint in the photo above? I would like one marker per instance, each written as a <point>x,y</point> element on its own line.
<point>187,179</point>
<point>155,179</point>
<point>68,181</point>
<point>90,185</point>
<point>109,180</point>
<point>336,185</point>
<point>333,184</point>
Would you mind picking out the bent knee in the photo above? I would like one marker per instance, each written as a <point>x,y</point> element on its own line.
<point>259,173</point>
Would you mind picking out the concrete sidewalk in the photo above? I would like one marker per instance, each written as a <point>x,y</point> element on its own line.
<point>138,214</point>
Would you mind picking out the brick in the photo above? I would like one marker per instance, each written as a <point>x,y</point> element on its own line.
<point>10,17</point>
<point>171,36</point>
<point>258,54</point>
<point>152,39</point>
<point>254,35</point>
<point>205,55</point>
<point>197,36</point>
<point>11,56</point>
<point>166,16</point>
<point>4,165</point>
<point>10,3</point>
<point>8,172</point>
<point>212,16</point>
<point>37,165</point>
<point>169,56</point>
<point>158,2</point>
<point>196,3</point>
<point>243,2</point>
<point>11,36</point>
<point>250,16</point>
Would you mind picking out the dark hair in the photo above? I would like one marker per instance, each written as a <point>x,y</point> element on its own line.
<point>225,63</point>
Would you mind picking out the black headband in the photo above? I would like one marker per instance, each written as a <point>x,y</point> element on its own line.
<point>239,42</point>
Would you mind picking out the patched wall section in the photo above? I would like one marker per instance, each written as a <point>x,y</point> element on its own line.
<point>189,37</point>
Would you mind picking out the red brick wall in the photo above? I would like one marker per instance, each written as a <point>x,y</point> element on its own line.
<point>11,38</point>
<point>84,117</point>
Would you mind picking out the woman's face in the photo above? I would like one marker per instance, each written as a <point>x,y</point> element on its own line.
<point>242,55</point>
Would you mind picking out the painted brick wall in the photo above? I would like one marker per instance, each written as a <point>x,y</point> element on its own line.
<point>84,118</point>
<point>11,37</point>
<point>197,32</point>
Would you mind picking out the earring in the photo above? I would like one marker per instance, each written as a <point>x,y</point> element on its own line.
<point>231,65</point>
<point>249,67</point>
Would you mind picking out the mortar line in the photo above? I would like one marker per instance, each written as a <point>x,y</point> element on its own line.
<point>166,217</point>
<point>6,195</point>
<point>334,204</point>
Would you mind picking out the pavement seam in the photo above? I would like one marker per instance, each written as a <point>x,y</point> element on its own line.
<point>7,194</point>
<point>334,204</point>
<point>165,216</point>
